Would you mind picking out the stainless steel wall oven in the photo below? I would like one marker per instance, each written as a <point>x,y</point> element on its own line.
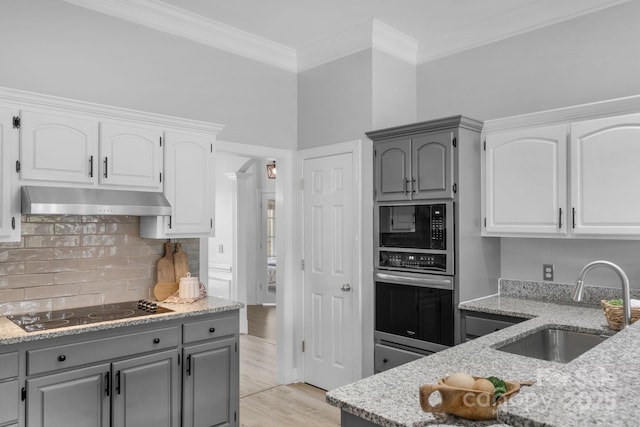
<point>414,283</point>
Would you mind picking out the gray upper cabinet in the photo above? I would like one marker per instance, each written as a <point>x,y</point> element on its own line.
<point>414,162</point>
<point>432,165</point>
<point>393,169</point>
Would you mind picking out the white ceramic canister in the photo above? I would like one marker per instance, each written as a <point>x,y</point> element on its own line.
<point>189,287</point>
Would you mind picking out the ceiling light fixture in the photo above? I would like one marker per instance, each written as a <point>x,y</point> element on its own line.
<point>271,170</point>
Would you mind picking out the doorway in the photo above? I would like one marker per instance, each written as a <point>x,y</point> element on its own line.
<point>267,267</point>
<point>241,263</point>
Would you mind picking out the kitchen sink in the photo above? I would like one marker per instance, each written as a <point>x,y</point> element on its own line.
<point>556,345</point>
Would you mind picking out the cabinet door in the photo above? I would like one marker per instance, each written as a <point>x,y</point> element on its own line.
<point>78,398</point>
<point>57,147</point>
<point>392,170</point>
<point>211,384</point>
<point>130,156</point>
<point>9,190</point>
<point>525,182</point>
<point>146,391</point>
<point>9,401</point>
<point>189,183</point>
<point>432,166</point>
<point>605,176</point>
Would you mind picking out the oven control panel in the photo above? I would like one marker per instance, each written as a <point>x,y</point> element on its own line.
<point>413,261</point>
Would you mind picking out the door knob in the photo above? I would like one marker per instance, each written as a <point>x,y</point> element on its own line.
<point>345,287</point>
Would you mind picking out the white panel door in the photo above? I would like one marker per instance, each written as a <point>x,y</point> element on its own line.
<point>328,275</point>
<point>130,156</point>
<point>525,181</point>
<point>605,176</point>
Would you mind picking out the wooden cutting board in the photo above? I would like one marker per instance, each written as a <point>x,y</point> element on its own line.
<point>180,263</point>
<point>162,291</point>
<point>167,283</point>
<point>166,272</point>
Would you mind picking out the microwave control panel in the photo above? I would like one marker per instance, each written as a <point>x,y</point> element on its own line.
<point>438,234</point>
<point>414,261</point>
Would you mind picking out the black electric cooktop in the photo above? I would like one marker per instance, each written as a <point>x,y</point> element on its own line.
<point>47,320</point>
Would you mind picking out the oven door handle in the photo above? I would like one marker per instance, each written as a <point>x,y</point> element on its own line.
<point>440,283</point>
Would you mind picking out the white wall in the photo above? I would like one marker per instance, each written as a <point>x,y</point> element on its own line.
<point>394,89</point>
<point>334,101</point>
<point>56,48</point>
<point>591,58</point>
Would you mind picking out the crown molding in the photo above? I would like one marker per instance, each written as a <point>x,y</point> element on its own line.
<point>590,111</point>
<point>21,99</point>
<point>164,17</point>
<point>393,42</point>
<point>161,16</point>
<point>529,17</point>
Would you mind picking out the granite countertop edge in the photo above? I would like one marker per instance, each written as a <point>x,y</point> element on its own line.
<point>583,392</point>
<point>10,333</point>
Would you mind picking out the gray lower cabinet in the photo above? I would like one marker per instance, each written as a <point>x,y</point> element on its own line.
<point>9,389</point>
<point>476,324</point>
<point>210,384</point>
<point>146,391</point>
<point>171,374</point>
<point>77,398</point>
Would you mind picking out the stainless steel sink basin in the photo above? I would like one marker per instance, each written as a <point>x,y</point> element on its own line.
<point>552,344</point>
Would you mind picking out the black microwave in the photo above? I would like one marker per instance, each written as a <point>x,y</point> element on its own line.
<point>415,237</point>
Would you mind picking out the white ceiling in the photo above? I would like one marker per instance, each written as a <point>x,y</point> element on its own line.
<point>298,34</point>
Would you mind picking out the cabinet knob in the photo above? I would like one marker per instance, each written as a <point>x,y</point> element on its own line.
<point>62,358</point>
<point>385,360</point>
<point>156,340</point>
<point>212,330</point>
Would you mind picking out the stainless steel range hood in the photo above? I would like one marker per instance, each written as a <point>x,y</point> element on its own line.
<point>89,201</point>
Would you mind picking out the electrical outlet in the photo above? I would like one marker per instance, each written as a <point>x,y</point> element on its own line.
<point>547,272</point>
<point>220,248</point>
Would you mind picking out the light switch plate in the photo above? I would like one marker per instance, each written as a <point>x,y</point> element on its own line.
<point>547,272</point>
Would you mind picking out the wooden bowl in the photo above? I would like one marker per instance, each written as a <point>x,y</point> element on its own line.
<point>465,403</point>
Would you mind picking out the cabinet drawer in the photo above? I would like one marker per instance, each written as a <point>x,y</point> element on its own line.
<point>386,357</point>
<point>9,365</point>
<point>71,355</point>
<point>208,329</point>
<point>9,401</point>
<point>479,326</point>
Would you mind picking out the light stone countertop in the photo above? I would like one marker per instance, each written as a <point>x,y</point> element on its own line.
<point>10,333</point>
<point>599,388</point>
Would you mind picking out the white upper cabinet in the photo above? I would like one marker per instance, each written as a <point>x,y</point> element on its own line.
<point>130,156</point>
<point>605,175</point>
<point>571,172</point>
<point>525,181</point>
<point>9,191</point>
<point>57,147</point>
<point>188,185</point>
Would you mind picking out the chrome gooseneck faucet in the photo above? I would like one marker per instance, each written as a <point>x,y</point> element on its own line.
<point>626,299</point>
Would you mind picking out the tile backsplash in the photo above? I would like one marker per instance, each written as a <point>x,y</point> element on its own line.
<point>66,261</point>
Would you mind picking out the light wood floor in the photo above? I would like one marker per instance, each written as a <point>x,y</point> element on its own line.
<point>263,403</point>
